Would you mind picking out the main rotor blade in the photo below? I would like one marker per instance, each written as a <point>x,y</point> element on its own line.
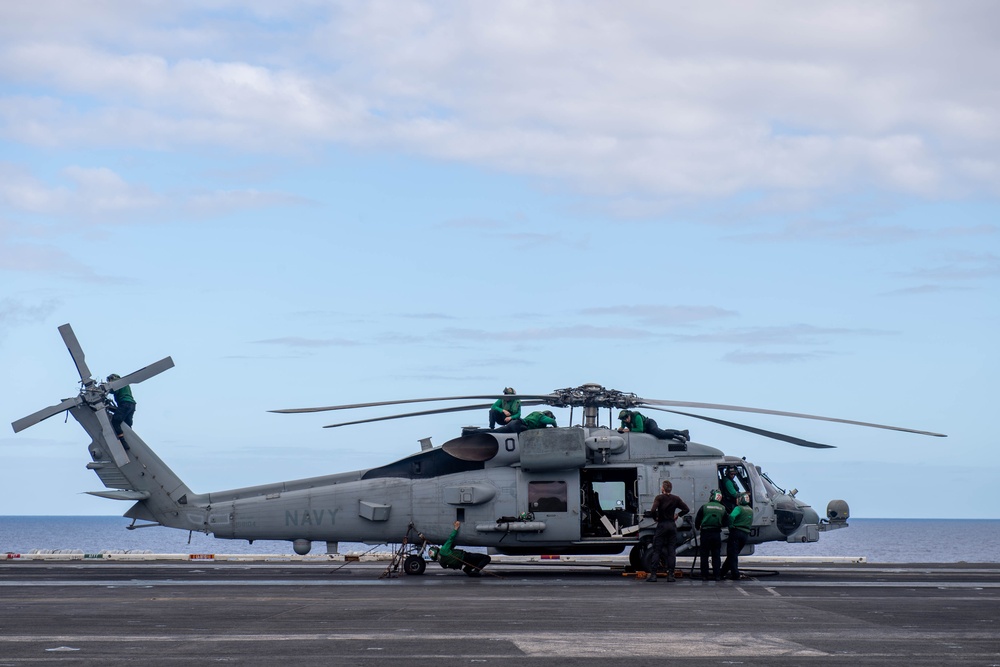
<point>751,429</point>
<point>738,408</point>
<point>41,415</point>
<point>75,351</point>
<point>440,411</point>
<point>142,374</point>
<point>416,400</point>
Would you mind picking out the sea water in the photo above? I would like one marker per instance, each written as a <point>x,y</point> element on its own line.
<point>877,540</point>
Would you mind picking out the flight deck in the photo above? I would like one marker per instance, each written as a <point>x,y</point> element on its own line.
<point>348,613</point>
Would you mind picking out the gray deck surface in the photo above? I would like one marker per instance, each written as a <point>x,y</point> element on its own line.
<point>83,613</point>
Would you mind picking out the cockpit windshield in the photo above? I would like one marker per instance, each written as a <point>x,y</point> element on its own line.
<point>769,486</point>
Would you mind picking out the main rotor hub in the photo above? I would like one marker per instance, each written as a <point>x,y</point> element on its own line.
<point>593,396</point>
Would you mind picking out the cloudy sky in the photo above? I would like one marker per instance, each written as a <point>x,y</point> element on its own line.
<point>776,204</point>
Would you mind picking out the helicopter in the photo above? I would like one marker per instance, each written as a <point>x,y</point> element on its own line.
<point>580,489</point>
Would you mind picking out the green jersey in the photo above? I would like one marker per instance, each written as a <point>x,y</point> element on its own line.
<point>741,518</point>
<point>124,395</point>
<point>538,420</point>
<point>513,406</point>
<point>710,515</point>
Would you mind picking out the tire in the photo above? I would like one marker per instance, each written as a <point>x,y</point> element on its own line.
<point>414,565</point>
<point>639,553</point>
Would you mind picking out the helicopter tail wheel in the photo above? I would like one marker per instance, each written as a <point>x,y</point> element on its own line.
<point>414,565</point>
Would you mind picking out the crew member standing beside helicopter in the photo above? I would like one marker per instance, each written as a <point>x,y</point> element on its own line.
<point>639,423</point>
<point>740,524</point>
<point>709,521</point>
<point>505,410</point>
<point>666,509</point>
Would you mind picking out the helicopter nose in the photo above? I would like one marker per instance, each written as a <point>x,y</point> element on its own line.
<point>809,515</point>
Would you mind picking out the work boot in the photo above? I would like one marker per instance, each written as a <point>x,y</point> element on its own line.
<point>686,435</point>
<point>670,578</point>
<point>651,576</point>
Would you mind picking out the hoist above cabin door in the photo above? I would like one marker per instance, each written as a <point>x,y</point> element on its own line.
<point>554,498</point>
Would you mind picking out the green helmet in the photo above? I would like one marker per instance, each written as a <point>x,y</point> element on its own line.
<point>509,390</point>
<point>548,413</point>
<point>623,414</point>
<point>113,377</point>
<point>715,495</point>
<point>744,499</point>
<point>433,553</point>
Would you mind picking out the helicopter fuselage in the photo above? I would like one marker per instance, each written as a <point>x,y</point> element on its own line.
<point>557,490</point>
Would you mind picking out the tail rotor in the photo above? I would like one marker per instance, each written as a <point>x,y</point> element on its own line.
<point>93,394</point>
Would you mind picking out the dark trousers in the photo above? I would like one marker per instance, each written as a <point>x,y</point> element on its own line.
<point>122,413</point>
<point>650,427</point>
<point>737,540</point>
<point>497,417</point>
<point>711,545</point>
<point>515,426</point>
<point>664,547</point>
<point>475,561</point>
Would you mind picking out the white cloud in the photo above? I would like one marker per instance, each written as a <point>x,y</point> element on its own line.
<point>657,100</point>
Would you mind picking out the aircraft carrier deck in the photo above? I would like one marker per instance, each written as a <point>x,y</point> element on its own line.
<point>200,612</point>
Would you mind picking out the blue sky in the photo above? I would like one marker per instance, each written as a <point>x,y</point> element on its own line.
<point>778,205</point>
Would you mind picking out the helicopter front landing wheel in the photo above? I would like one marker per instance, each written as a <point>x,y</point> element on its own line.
<point>414,564</point>
<point>639,553</point>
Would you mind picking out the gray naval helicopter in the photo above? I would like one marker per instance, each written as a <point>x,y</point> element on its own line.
<point>581,489</point>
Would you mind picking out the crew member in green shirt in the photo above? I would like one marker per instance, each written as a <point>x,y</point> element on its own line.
<point>448,557</point>
<point>740,524</point>
<point>532,421</point>
<point>637,422</point>
<point>124,407</point>
<point>709,521</point>
<point>730,492</point>
<point>505,410</point>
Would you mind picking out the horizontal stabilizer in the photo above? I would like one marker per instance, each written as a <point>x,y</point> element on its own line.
<point>121,494</point>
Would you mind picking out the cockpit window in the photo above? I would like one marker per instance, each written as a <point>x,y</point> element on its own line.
<point>770,487</point>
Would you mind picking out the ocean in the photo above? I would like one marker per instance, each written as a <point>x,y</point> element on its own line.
<point>878,540</point>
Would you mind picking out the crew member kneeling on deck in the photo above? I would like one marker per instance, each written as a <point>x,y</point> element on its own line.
<point>447,556</point>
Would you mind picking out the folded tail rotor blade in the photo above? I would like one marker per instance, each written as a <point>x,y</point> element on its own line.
<point>44,414</point>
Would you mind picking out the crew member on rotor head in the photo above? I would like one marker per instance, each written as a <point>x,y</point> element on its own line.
<point>637,422</point>
<point>448,557</point>
<point>123,408</point>
<point>532,421</point>
<point>505,410</point>
<point>666,509</point>
<point>709,520</point>
<point>740,524</point>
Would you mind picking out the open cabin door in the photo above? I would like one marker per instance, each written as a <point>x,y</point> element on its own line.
<point>609,501</point>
